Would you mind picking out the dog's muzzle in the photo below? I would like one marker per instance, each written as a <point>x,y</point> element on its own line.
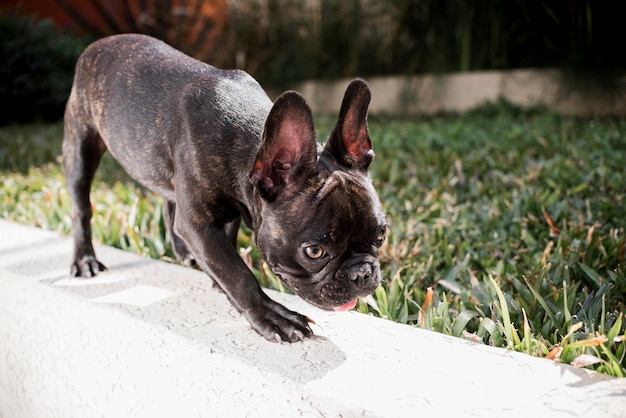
<point>361,270</point>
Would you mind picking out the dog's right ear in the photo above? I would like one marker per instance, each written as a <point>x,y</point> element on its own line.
<point>288,153</point>
<point>349,142</point>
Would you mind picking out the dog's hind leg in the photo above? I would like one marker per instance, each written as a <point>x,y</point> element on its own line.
<point>82,149</point>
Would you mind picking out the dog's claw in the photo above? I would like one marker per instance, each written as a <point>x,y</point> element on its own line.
<point>189,261</point>
<point>277,323</point>
<point>87,267</point>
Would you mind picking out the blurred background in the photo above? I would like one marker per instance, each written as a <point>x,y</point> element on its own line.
<point>282,42</point>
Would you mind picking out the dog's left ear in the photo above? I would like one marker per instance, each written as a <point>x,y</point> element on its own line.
<point>288,153</point>
<point>349,141</point>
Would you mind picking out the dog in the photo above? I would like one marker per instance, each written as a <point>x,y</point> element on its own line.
<point>216,148</point>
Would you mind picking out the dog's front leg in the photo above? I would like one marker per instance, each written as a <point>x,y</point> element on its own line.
<point>219,259</point>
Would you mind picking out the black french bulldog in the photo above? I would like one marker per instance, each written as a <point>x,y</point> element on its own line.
<point>213,145</point>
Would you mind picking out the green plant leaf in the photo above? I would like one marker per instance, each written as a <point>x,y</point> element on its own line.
<point>462,320</point>
<point>489,326</point>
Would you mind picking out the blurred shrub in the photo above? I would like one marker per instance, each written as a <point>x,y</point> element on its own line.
<point>192,26</point>
<point>281,42</point>
<point>37,68</point>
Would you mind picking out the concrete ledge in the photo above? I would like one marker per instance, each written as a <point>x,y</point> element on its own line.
<point>149,339</point>
<point>428,94</point>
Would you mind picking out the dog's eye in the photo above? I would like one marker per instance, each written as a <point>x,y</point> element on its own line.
<point>382,234</point>
<point>314,252</point>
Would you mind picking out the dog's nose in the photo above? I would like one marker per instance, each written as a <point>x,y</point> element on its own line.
<point>360,272</point>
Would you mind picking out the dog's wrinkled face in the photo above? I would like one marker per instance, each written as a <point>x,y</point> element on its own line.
<point>320,223</point>
<point>324,244</point>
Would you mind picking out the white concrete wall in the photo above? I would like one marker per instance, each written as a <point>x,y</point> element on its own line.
<point>429,94</point>
<point>152,339</point>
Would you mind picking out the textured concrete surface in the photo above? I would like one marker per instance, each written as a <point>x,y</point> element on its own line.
<point>150,339</point>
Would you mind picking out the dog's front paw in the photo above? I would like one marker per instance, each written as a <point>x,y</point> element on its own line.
<point>277,323</point>
<point>86,266</point>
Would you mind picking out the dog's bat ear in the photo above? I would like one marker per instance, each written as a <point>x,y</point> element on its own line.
<point>349,141</point>
<point>288,153</point>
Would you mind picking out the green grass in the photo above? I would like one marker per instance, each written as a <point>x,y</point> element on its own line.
<point>507,226</point>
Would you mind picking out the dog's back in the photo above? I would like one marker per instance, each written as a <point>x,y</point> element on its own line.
<point>141,96</point>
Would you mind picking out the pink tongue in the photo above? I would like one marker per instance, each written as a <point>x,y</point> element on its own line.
<point>346,307</point>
